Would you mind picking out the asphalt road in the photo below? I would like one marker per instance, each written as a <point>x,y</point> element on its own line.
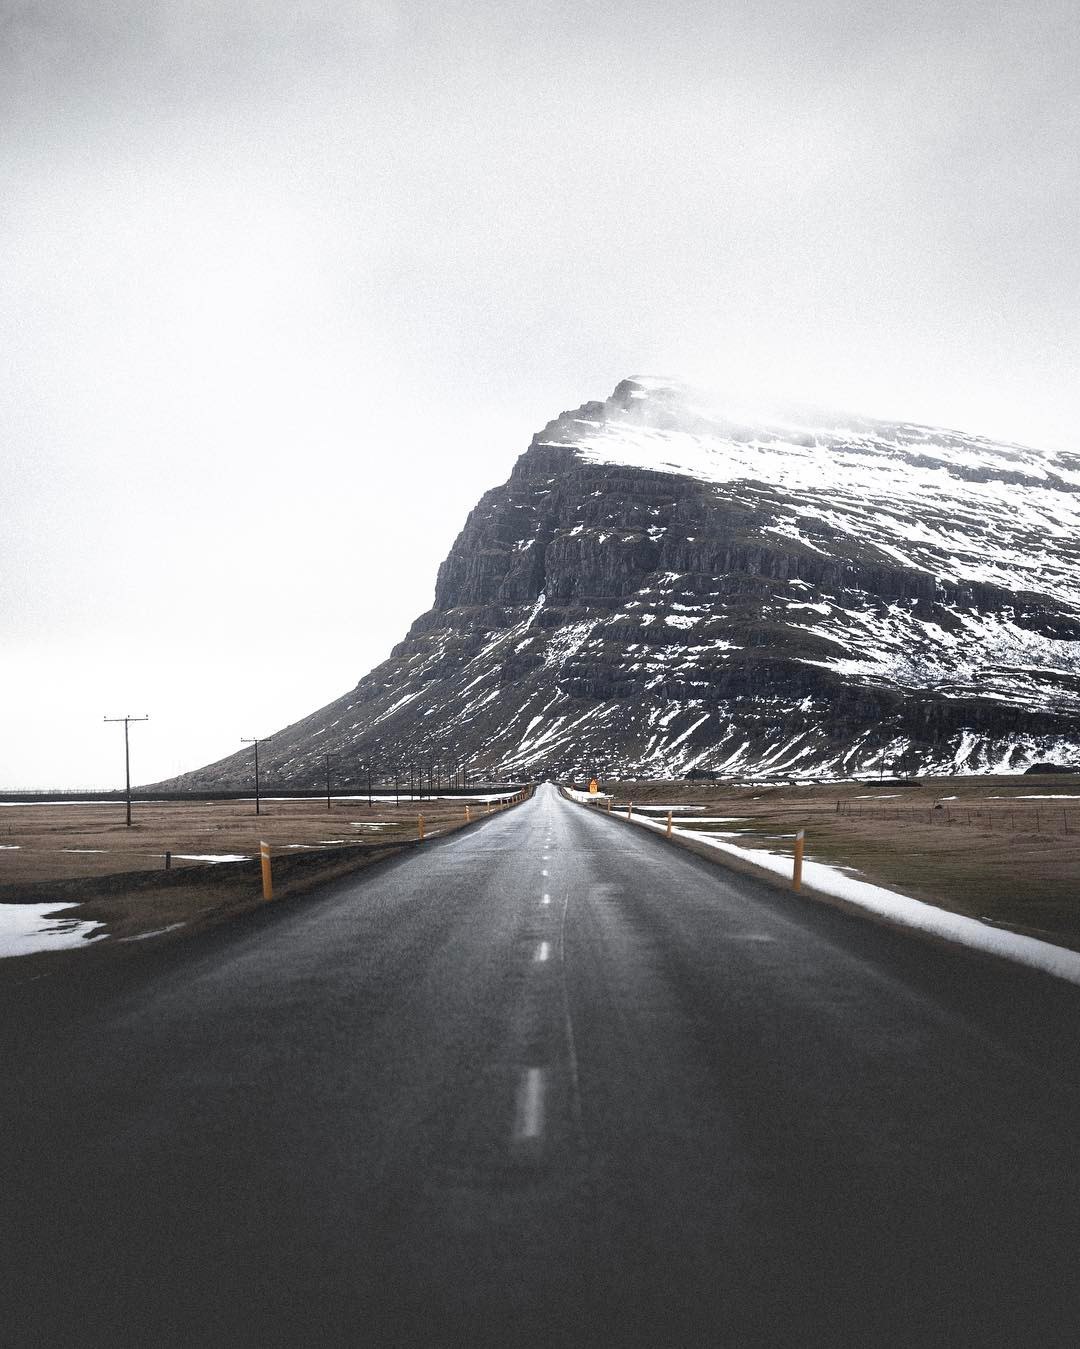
<point>550,1081</point>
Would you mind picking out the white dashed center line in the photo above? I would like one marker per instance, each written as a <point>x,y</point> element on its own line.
<point>546,899</point>
<point>542,952</point>
<point>529,1110</point>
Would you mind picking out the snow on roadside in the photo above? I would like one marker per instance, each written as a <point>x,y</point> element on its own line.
<point>211,857</point>
<point>1059,961</point>
<point>25,928</point>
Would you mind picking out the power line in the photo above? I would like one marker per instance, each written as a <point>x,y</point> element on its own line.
<point>127,759</point>
<point>245,740</point>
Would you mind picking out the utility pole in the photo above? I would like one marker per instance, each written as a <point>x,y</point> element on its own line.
<point>245,740</point>
<point>127,760</point>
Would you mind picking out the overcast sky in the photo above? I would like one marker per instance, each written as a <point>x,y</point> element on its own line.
<point>285,286</point>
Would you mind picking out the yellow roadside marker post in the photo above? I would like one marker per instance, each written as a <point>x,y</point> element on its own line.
<point>668,830</point>
<point>629,808</point>
<point>609,805</point>
<point>267,877</point>
<point>468,817</point>
<point>796,875</point>
<point>420,827</point>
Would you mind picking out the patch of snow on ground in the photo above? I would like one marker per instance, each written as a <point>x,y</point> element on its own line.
<point>211,857</point>
<point>25,928</point>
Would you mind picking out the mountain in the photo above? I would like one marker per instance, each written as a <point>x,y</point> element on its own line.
<point>663,585</point>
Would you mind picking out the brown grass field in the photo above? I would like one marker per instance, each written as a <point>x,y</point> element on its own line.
<point>85,854</point>
<point>1002,849</point>
<point>54,842</point>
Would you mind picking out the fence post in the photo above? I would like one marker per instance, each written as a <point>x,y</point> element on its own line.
<point>420,827</point>
<point>468,817</point>
<point>668,830</point>
<point>609,805</point>
<point>267,877</point>
<point>629,808</point>
<point>168,861</point>
<point>796,874</point>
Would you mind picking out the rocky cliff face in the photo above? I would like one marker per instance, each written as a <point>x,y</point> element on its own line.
<point>661,586</point>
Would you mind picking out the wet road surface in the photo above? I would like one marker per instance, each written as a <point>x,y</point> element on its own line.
<point>549,1081</point>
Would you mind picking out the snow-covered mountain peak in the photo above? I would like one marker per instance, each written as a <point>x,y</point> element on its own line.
<point>963,507</point>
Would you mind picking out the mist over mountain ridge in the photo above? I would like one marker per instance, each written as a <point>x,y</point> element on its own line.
<point>664,585</point>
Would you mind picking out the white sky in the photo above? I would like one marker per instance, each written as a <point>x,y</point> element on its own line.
<point>285,287</point>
